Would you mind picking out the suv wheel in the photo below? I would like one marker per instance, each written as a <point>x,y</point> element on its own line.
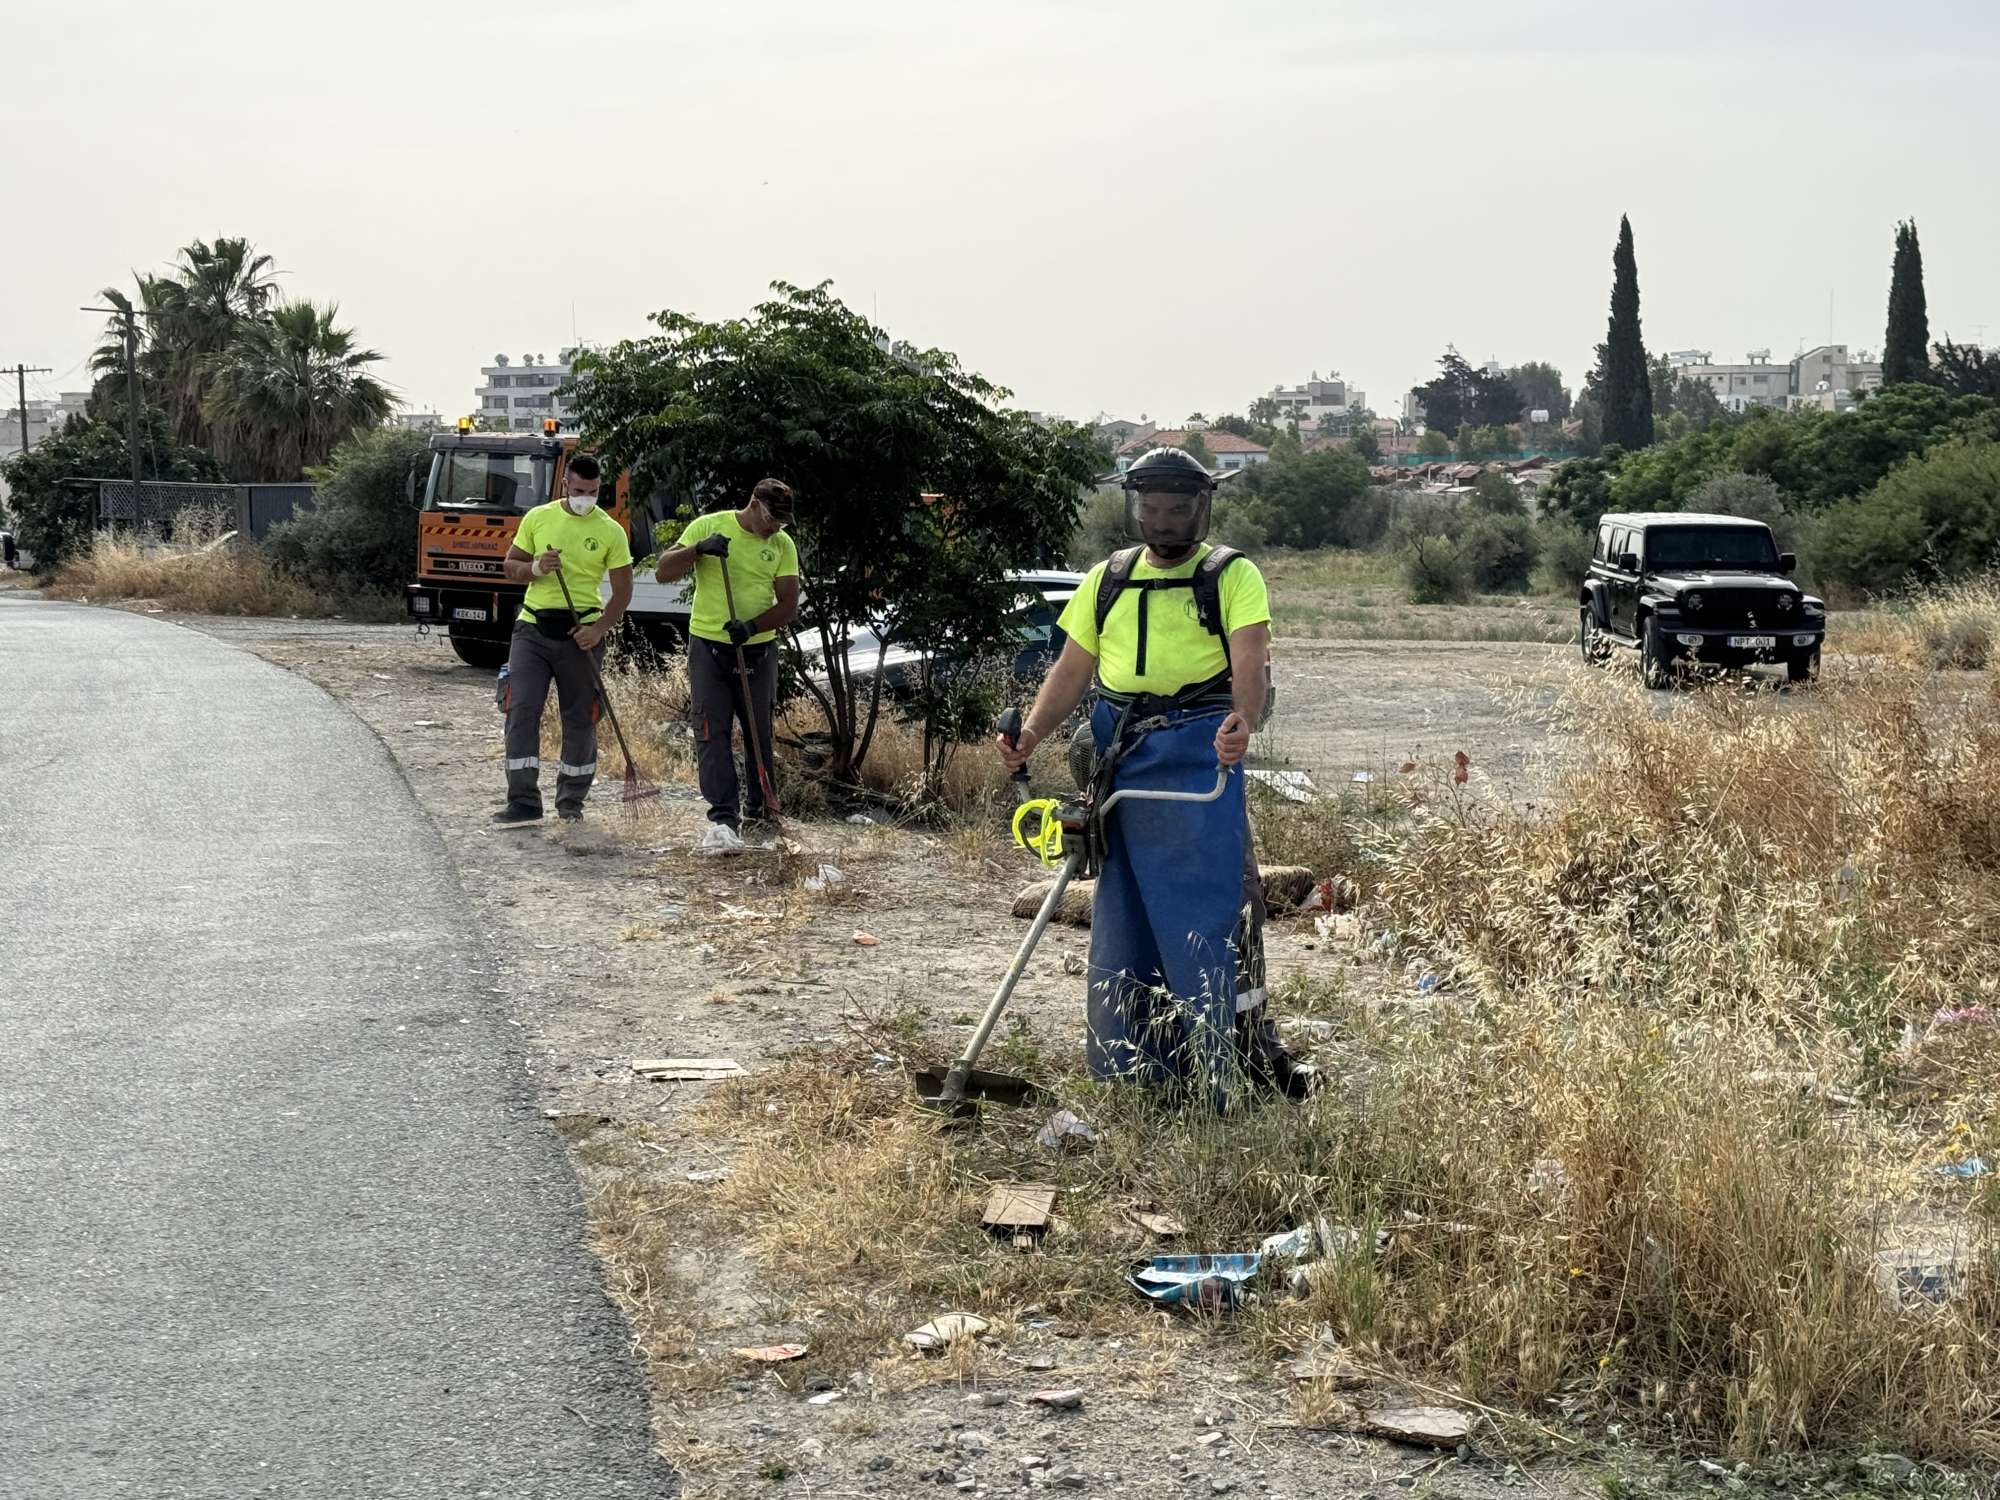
<point>1802,668</point>
<point>1656,656</point>
<point>1589,639</point>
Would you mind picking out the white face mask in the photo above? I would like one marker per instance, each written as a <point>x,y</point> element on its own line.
<point>580,505</point>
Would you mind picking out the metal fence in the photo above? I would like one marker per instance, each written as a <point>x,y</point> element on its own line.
<point>154,505</point>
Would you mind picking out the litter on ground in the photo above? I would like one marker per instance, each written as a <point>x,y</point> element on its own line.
<point>772,1354</point>
<point>944,1330</point>
<point>1433,1426</point>
<point>687,1069</point>
<point>1293,786</point>
<point>1019,1211</point>
<point>1208,1281</point>
<point>1066,1131</point>
<point>1063,1400</point>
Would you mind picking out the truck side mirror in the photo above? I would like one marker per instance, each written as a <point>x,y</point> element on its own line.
<point>1788,563</point>
<point>410,487</point>
<point>1629,561</point>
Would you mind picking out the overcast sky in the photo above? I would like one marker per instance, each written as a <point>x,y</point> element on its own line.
<point>1147,208</point>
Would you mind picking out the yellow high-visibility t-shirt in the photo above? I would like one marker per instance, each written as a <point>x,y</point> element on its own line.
<point>591,546</point>
<point>1180,650</point>
<point>755,565</point>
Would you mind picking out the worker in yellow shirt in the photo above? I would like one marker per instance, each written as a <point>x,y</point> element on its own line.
<point>1176,634</point>
<point>746,557</point>
<point>567,541</point>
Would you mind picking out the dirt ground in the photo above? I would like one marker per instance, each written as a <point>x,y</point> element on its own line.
<point>614,941</point>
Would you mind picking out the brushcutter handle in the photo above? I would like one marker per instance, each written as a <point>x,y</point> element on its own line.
<point>1139,794</point>
<point>1009,729</point>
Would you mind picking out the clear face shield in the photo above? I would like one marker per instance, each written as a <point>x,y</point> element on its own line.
<point>1171,522</point>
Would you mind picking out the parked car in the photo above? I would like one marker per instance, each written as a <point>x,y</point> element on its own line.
<point>1038,640</point>
<point>1686,590</point>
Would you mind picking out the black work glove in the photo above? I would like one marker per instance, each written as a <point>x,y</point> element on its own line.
<point>739,632</point>
<point>713,546</point>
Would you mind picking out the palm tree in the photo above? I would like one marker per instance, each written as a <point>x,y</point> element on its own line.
<point>289,389</point>
<point>191,316</point>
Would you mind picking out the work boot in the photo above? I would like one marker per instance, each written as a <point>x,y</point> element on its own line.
<point>515,812</point>
<point>569,814</point>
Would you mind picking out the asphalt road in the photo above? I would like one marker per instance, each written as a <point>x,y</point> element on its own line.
<point>278,1213</point>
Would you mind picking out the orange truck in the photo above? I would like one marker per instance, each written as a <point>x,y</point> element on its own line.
<point>478,487</point>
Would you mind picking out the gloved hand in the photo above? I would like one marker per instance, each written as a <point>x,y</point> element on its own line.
<point>713,546</point>
<point>739,632</point>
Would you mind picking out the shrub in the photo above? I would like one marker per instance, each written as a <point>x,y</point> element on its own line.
<point>1565,556</point>
<point>1496,495</point>
<point>1936,517</point>
<point>1100,528</point>
<point>54,517</point>
<point>360,534</point>
<point>1435,569</point>
<point>1501,550</point>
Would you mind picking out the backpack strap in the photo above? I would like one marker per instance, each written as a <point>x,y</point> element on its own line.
<point>1117,573</point>
<point>1208,591</point>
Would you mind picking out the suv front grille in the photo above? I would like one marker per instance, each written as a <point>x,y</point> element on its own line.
<point>1728,606</point>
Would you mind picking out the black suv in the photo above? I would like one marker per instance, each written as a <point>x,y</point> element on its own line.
<point>1687,591</point>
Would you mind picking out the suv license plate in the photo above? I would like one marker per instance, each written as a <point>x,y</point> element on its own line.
<point>480,614</point>
<point>1748,642</point>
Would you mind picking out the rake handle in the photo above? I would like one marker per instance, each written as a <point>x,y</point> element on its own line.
<point>749,703</point>
<point>597,681</point>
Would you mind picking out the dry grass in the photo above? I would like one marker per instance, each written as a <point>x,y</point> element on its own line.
<point>201,573</point>
<point>1952,628</point>
<point>1637,1159</point>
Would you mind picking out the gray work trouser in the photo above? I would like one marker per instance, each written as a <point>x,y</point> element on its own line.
<point>715,704</point>
<point>532,663</point>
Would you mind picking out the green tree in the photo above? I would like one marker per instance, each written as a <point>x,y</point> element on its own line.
<point>291,389</point>
<point>1434,444</point>
<point>1243,427</point>
<point>1936,517</point>
<point>1623,382</point>
<point>1366,445</point>
<point>1197,445</point>
<point>55,515</point>
<point>358,534</point>
<point>1264,411</point>
<point>1541,388</point>
<point>1906,342</point>
<point>1581,490</point>
<point>1494,494</point>
<point>1477,442</point>
<point>1315,500</point>
<point>1966,369</point>
<point>809,391</point>
<point>1449,397</point>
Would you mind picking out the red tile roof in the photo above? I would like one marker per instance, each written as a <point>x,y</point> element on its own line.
<point>1217,441</point>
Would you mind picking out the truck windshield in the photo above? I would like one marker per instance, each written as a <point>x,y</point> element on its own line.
<point>1670,547</point>
<point>487,481</point>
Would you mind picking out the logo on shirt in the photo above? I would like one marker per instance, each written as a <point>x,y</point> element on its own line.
<point>590,544</point>
<point>768,555</point>
<point>1190,608</point>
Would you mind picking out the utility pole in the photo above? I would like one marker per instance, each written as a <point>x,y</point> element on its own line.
<point>131,389</point>
<point>21,374</point>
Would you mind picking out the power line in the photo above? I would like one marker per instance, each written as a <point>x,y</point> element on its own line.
<point>21,374</point>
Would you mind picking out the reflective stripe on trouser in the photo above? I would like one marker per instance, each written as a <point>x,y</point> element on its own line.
<point>715,703</point>
<point>533,662</point>
<point>1163,961</point>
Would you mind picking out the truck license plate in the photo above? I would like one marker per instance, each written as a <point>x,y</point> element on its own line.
<point>1754,642</point>
<point>480,614</point>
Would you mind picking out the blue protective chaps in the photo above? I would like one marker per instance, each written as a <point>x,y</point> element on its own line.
<point>1164,924</point>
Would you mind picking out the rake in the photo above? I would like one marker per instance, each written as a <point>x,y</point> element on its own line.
<point>637,788</point>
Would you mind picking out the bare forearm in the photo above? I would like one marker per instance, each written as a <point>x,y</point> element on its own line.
<point>1246,678</point>
<point>675,562</point>
<point>520,569</point>
<point>621,598</point>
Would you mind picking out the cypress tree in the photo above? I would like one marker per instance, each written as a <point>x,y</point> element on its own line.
<point>1622,374</point>
<point>1906,344</point>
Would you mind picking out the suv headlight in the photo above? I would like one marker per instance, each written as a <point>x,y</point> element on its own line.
<point>1691,603</point>
<point>1786,601</point>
